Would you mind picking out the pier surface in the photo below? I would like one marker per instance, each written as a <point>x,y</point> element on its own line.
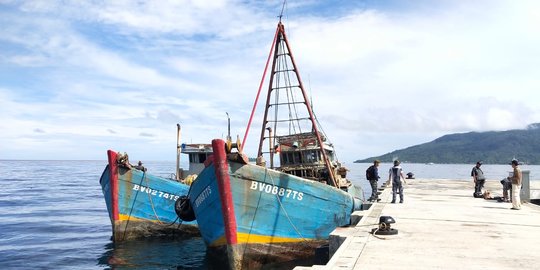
<point>441,226</point>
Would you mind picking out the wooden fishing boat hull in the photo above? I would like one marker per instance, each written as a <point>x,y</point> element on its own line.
<point>258,215</point>
<point>142,205</point>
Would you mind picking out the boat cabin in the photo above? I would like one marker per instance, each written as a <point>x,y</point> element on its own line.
<point>301,155</point>
<point>197,153</point>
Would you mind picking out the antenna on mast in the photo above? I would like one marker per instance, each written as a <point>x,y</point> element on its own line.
<point>282,8</point>
<point>228,127</point>
<point>178,151</point>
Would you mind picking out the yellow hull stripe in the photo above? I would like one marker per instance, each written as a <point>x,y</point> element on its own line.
<point>244,238</point>
<point>122,217</point>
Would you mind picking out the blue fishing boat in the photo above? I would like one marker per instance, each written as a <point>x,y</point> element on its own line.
<point>254,214</point>
<point>143,205</point>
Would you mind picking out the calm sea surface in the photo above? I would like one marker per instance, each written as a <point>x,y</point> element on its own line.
<point>53,216</point>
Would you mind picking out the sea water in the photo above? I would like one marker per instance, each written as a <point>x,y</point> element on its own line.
<point>53,216</point>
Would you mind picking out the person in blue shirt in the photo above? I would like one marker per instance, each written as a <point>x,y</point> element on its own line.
<point>373,177</point>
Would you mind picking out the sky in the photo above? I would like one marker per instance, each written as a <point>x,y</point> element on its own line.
<point>80,77</point>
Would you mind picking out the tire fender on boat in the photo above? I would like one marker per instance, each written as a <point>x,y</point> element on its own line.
<point>183,209</point>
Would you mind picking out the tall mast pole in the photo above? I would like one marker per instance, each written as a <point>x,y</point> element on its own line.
<point>281,36</point>
<point>265,121</point>
<point>308,106</point>
<point>178,151</point>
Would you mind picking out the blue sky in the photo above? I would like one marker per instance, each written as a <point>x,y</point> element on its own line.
<point>80,77</point>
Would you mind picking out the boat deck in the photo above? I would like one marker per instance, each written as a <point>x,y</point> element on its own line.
<point>441,226</point>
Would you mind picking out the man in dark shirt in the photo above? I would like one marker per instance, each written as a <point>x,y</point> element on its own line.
<point>479,179</point>
<point>374,177</point>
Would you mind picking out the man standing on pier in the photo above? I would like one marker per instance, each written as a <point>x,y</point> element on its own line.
<point>479,179</point>
<point>397,178</point>
<point>372,174</point>
<point>516,185</point>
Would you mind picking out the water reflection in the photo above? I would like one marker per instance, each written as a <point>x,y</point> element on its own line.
<point>155,254</point>
<point>162,253</point>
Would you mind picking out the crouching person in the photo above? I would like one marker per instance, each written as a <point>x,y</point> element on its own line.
<point>507,189</point>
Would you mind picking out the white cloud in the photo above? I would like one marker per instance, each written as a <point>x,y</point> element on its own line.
<point>122,74</point>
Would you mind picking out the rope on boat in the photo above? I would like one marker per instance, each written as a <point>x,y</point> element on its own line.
<point>283,208</point>
<point>154,209</point>
<point>144,178</point>
<point>133,204</point>
<point>152,204</point>
<point>259,91</point>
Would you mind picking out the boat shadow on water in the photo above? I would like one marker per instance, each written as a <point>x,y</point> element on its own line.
<point>155,253</point>
<point>167,253</point>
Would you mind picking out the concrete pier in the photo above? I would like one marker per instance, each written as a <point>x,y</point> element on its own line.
<point>441,226</point>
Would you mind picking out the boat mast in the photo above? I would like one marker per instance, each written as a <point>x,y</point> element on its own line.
<point>228,127</point>
<point>178,151</point>
<point>280,41</point>
<point>268,97</point>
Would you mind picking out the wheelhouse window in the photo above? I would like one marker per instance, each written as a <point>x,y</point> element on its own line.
<point>301,157</point>
<point>330,155</point>
<point>288,158</point>
<point>197,157</point>
<point>311,156</point>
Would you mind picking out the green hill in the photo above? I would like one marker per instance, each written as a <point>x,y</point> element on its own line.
<point>493,147</point>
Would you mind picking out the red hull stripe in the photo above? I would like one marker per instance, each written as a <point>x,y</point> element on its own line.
<point>224,185</point>
<point>113,170</point>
